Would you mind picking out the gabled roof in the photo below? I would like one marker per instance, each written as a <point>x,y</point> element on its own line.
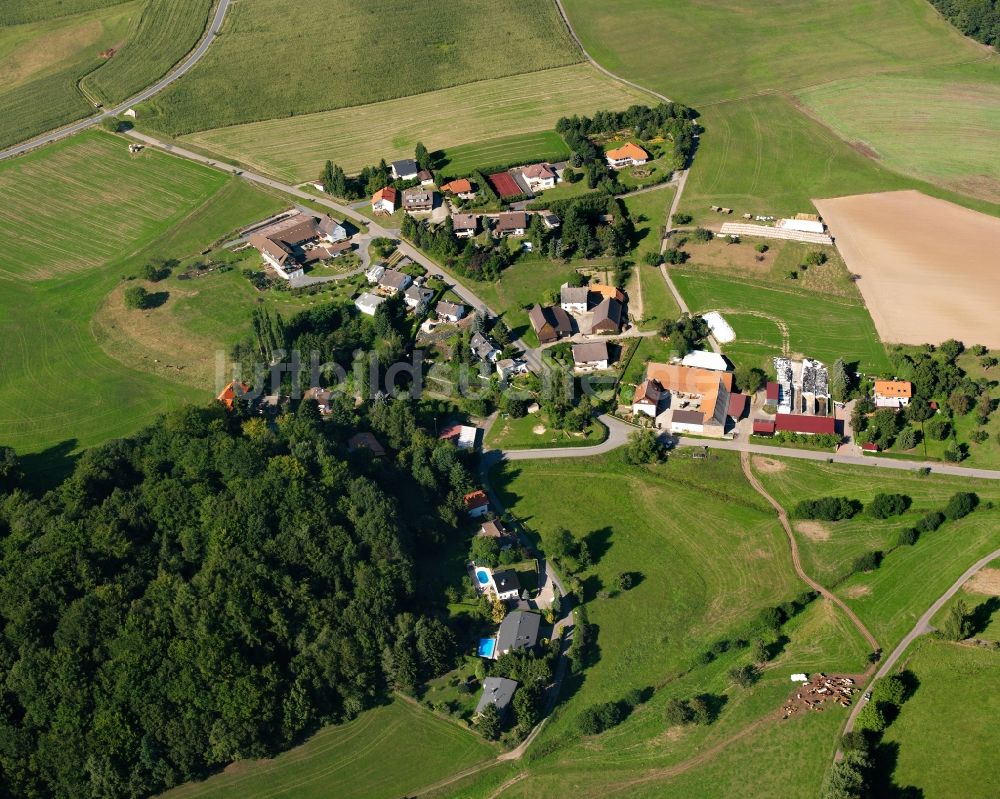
<point>737,405</point>
<point>633,151</point>
<point>493,530</point>
<point>481,345</point>
<point>231,393</point>
<point>365,440</point>
<point>763,426</point>
<point>405,166</point>
<point>539,172</point>
<point>518,630</point>
<point>464,221</point>
<point>607,314</point>
<point>459,186</point>
<point>388,193</point>
<point>573,295</point>
<point>894,388</point>
<point>476,499</point>
<point>607,291</point>
<point>800,423</point>
<point>417,195</point>
<point>647,393</point>
<point>590,352</point>
<point>773,391</point>
<point>497,691</point>
<point>394,279</point>
<point>445,308</point>
<point>512,220</point>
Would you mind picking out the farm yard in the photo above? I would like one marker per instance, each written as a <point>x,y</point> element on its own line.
<point>42,58</point>
<point>385,753</point>
<point>384,50</point>
<point>488,112</point>
<point>894,241</point>
<point>165,33</point>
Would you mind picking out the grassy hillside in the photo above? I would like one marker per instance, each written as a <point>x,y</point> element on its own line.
<point>279,58</point>
<point>296,149</point>
<point>41,62</point>
<point>385,753</point>
<point>17,12</point>
<point>160,37</point>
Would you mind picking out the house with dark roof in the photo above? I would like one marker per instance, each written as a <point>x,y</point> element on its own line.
<point>590,356</point>
<point>483,348</point>
<point>518,630</point>
<point>392,282</point>
<point>646,399</point>
<point>607,317</point>
<point>511,223</point>
<point>425,177</point>
<point>550,323</point>
<point>366,441</point>
<point>508,586</point>
<point>574,299</point>
<point>464,226</point>
<point>404,169</point>
<point>417,297</point>
<point>299,239</point>
<point>417,199</point>
<point>499,692</point>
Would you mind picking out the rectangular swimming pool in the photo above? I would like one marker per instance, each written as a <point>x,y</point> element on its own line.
<point>487,646</point>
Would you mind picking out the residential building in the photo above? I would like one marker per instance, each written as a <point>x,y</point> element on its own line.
<point>511,223</point>
<point>574,299</point>
<point>590,356</point>
<point>322,397</point>
<point>499,692</point>
<point>449,311</point>
<point>607,317</point>
<point>295,241</point>
<point>404,169</point>
<point>507,585</point>
<point>366,441</point>
<point>417,200</point>
<point>392,282</point>
<point>417,297</point>
<point>701,359</point>
<point>233,392</point>
<point>483,348</point>
<point>647,398</point>
<point>497,531</point>
<point>476,503</point>
<point>695,400</point>
<point>509,367</point>
<point>461,188</point>
<point>368,303</point>
<point>893,393</point>
<point>384,201</point>
<point>374,273</point>
<point>550,323</point>
<point>808,424</point>
<point>425,177</point>
<point>540,177</point>
<point>626,155</point>
<point>464,226</point>
<point>518,630</point>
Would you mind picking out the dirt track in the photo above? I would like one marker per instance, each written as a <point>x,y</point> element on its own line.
<point>929,268</point>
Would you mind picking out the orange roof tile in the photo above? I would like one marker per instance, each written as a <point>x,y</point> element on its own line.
<point>894,388</point>
<point>633,151</point>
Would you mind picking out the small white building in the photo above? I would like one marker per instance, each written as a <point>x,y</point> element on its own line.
<point>384,201</point>
<point>374,273</point>
<point>590,357</point>
<point>508,368</point>
<point>417,297</point>
<point>368,303</point>
<point>647,398</point>
<point>702,359</point>
<point>574,299</point>
<point>449,311</point>
<point>467,437</point>
<point>393,281</point>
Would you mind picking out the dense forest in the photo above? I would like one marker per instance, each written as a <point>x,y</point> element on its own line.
<point>979,19</point>
<point>215,588</point>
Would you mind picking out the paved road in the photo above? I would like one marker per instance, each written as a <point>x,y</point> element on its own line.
<point>193,58</point>
<point>922,626</point>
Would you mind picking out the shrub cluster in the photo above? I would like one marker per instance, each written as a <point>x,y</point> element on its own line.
<point>829,509</point>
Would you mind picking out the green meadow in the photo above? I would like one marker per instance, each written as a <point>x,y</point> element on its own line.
<point>524,148</point>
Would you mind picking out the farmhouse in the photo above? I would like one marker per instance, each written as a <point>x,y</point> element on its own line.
<point>518,630</point>
<point>499,692</point>
<point>461,188</point>
<point>646,399</point>
<point>476,503</point>
<point>384,201</point>
<point>573,299</point>
<point>627,155</point>
<point>607,317</point>
<point>404,169</point>
<point>503,183</point>
<point>590,356</point>
<point>483,348</point>
<point>368,303</point>
<point>810,425</point>
<point>540,177</point>
<point>392,282</point>
<point>697,399</point>
<point>550,323</point>
<point>893,393</point>
<point>464,226</point>
<point>232,392</point>
<point>507,585</point>
<point>511,223</point>
<point>417,199</point>
<point>300,239</point>
<point>449,311</point>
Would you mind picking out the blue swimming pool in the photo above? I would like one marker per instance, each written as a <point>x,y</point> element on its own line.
<point>486,647</point>
<point>483,576</point>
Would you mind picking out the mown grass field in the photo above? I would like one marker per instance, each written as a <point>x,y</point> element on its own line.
<point>59,390</point>
<point>162,34</point>
<point>81,202</point>
<point>704,574</point>
<point>520,434</point>
<point>41,61</point>
<point>649,214</point>
<point>890,599</point>
<point>380,50</point>
<point>953,710</point>
<point>819,326</point>
<point>490,112</point>
<point>18,12</point>
<point>385,753</point>
<point>941,126</point>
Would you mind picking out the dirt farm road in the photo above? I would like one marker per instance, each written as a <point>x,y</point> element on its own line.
<point>185,66</point>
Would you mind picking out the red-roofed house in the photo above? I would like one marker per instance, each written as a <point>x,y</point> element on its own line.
<point>800,423</point>
<point>763,427</point>
<point>627,155</point>
<point>384,201</point>
<point>503,183</point>
<point>462,187</point>
<point>231,393</point>
<point>476,503</point>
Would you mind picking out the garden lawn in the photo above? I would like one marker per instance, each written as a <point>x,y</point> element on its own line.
<point>383,49</point>
<point>509,433</point>
<point>704,576</point>
<point>42,60</point>
<point>819,326</point>
<point>386,752</point>
<point>890,599</point>
<point>953,710</point>
<point>507,121</point>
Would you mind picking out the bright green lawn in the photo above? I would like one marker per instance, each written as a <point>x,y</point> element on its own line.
<point>519,434</point>
<point>649,214</point>
<point>385,753</point>
<point>18,12</point>
<point>525,148</point>
<point>819,326</point>
<point>890,599</point>
<point>946,732</point>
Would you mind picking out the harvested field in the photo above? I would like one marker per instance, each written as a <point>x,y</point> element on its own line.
<point>986,582</point>
<point>814,531</point>
<point>928,268</point>
<point>296,149</point>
